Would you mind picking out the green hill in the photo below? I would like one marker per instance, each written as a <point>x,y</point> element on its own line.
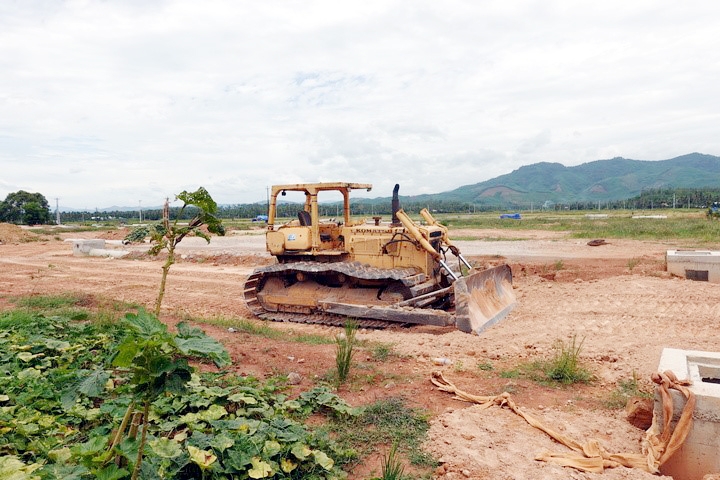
<point>600,180</point>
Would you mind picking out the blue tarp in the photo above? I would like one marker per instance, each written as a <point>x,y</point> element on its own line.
<point>514,216</point>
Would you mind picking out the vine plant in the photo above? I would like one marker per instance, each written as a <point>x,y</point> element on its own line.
<point>157,364</point>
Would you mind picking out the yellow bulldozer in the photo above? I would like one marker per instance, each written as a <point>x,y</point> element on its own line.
<point>379,273</point>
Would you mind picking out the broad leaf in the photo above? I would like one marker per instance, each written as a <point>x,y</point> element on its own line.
<point>94,384</point>
<point>287,465</point>
<point>193,341</point>
<point>27,356</point>
<point>145,324</point>
<point>165,448</point>
<point>214,412</point>
<point>11,468</point>
<point>271,448</point>
<point>111,472</point>
<point>126,352</point>
<point>260,468</point>
<point>203,458</point>
<point>323,460</point>
<point>60,455</point>
<point>243,398</point>
<point>92,447</point>
<point>199,198</point>
<point>301,451</point>
<point>222,442</point>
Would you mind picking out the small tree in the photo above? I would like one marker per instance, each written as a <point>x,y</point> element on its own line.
<point>169,234</point>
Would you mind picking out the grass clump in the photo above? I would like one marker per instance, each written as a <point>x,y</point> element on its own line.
<point>392,466</point>
<point>345,350</point>
<point>485,366</point>
<point>625,390</point>
<point>49,302</point>
<point>382,351</point>
<point>632,263</point>
<point>512,373</point>
<point>76,306</point>
<point>565,366</point>
<point>261,329</point>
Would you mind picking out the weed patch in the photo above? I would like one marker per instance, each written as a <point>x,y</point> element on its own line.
<point>626,389</point>
<point>386,422</point>
<point>382,351</point>
<point>632,263</point>
<point>261,329</point>
<point>565,366</point>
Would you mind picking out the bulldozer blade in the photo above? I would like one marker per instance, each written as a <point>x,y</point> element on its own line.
<point>483,298</point>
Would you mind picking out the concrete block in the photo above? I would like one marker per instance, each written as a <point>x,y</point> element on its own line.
<point>82,247</point>
<point>702,265</point>
<point>700,454</point>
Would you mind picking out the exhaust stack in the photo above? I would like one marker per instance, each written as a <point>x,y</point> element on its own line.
<point>395,206</point>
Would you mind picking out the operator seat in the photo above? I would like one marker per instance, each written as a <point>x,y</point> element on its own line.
<point>305,218</point>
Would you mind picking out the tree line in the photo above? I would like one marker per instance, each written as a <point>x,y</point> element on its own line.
<point>27,208</point>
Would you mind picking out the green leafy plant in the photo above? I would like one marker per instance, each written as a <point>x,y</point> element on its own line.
<point>565,365</point>
<point>167,235</point>
<point>62,405</point>
<point>157,364</point>
<point>344,350</point>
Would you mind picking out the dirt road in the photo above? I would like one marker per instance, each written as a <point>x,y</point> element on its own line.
<point>617,298</point>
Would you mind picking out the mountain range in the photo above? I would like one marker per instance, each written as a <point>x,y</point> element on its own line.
<point>601,180</point>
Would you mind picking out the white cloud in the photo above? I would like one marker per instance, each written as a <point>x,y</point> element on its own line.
<point>112,103</point>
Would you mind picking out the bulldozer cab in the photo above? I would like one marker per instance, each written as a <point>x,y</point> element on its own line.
<point>308,234</point>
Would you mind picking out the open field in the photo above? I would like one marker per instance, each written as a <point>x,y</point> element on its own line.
<point>616,297</point>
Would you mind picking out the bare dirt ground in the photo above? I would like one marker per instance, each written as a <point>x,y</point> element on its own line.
<point>616,297</point>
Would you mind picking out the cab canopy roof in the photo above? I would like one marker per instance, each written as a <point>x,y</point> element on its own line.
<point>313,188</point>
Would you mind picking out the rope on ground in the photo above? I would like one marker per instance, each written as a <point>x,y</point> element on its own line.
<point>591,456</point>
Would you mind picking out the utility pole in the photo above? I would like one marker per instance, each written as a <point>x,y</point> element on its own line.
<point>57,211</point>
<point>140,209</point>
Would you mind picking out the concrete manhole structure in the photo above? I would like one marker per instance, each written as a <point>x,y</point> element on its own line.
<point>700,453</point>
<point>700,265</point>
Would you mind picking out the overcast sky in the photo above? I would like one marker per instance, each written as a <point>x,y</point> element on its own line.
<point>121,103</point>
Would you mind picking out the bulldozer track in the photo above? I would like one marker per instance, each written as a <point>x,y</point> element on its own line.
<point>328,319</point>
<point>351,269</point>
<point>408,276</point>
